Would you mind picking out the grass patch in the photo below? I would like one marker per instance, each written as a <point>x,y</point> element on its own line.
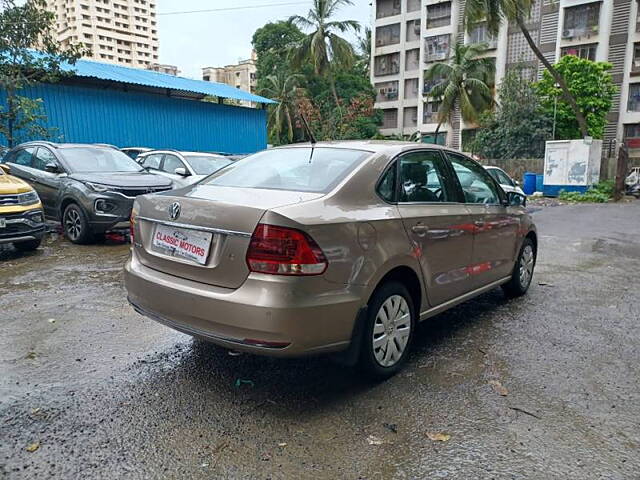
<point>600,193</point>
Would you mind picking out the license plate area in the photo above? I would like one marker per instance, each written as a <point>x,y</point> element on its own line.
<point>182,243</point>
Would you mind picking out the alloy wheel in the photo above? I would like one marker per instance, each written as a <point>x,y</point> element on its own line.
<point>73,224</point>
<point>526,266</point>
<point>391,331</point>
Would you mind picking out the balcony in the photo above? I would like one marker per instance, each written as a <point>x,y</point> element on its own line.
<point>387,92</point>
<point>386,64</point>
<point>436,56</point>
<point>579,33</point>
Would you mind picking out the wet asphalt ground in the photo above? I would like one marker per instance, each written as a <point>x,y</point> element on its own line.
<point>546,386</point>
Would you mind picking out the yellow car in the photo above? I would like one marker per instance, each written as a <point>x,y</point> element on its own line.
<point>21,215</point>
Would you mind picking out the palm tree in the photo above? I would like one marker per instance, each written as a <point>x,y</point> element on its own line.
<point>324,48</point>
<point>364,48</point>
<point>518,11</point>
<point>284,90</point>
<point>463,82</point>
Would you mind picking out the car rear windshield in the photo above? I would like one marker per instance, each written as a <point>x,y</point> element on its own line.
<point>98,159</point>
<point>205,164</point>
<point>299,169</point>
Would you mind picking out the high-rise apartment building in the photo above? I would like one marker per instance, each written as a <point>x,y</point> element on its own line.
<point>117,31</point>
<point>410,35</point>
<point>241,75</point>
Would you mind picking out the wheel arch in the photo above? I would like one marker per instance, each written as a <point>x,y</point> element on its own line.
<point>408,277</point>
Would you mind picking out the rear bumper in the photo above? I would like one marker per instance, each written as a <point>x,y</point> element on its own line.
<point>23,226</point>
<point>267,315</point>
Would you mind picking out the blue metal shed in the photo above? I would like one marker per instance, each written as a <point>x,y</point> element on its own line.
<point>104,103</point>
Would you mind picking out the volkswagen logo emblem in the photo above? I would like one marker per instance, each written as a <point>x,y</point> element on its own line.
<point>174,210</point>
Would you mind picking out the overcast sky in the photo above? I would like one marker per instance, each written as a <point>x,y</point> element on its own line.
<point>193,41</point>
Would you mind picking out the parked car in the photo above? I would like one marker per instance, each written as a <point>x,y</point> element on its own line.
<point>183,168</point>
<point>134,152</point>
<point>338,247</point>
<point>21,215</point>
<point>89,188</point>
<point>507,183</point>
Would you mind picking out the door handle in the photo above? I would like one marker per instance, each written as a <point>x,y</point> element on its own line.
<point>419,229</point>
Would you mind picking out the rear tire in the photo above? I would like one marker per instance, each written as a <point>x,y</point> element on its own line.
<point>75,225</point>
<point>388,331</point>
<point>28,246</point>
<point>522,271</point>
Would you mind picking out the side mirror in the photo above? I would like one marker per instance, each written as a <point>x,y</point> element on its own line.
<point>6,168</point>
<point>52,168</point>
<point>181,171</point>
<point>514,199</point>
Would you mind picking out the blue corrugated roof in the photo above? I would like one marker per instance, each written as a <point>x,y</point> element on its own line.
<point>148,78</point>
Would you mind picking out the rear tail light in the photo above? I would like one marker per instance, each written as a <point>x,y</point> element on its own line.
<point>132,226</point>
<point>284,251</point>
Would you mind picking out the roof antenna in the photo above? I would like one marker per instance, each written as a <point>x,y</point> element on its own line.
<point>312,138</point>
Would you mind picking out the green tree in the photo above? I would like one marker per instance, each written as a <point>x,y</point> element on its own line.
<point>518,128</point>
<point>591,84</point>
<point>23,26</point>
<point>518,12</point>
<point>284,90</point>
<point>463,81</point>
<point>324,48</point>
<point>272,44</point>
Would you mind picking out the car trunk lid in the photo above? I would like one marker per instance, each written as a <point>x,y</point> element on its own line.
<point>218,220</point>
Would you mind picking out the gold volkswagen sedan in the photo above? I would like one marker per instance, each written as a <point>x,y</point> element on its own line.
<point>326,248</point>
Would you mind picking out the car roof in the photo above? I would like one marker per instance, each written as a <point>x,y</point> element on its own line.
<point>181,152</point>
<point>45,143</point>
<point>389,147</point>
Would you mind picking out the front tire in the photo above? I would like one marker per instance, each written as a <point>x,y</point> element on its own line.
<point>388,332</point>
<point>75,225</point>
<point>522,271</point>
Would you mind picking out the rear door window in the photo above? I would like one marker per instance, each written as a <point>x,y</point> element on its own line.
<point>302,169</point>
<point>423,178</point>
<point>24,157</point>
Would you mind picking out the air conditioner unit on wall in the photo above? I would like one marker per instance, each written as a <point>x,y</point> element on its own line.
<point>568,33</point>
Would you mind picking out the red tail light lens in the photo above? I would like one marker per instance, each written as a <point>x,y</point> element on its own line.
<point>132,226</point>
<point>284,251</point>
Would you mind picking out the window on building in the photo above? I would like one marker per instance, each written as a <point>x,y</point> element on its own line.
<point>581,20</point>
<point>387,64</point>
<point>429,83</point>
<point>413,5</point>
<point>387,8</point>
<point>632,135</point>
<point>412,60</point>
<point>430,112</point>
<point>387,91</point>
<point>438,15</point>
<point>480,34</point>
<point>410,88</point>
<point>633,105</point>
<point>635,66</point>
<point>436,48</point>
<point>390,118</point>
<point>410,116</point>
<point>582,51</point>
<point>388,35</point>
<point>413,30</point>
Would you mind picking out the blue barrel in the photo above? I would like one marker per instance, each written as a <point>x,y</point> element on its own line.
<point>529,184</point>
<point>539,182</point>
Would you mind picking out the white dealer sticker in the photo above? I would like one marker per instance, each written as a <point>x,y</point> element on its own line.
<point>184,243</point>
